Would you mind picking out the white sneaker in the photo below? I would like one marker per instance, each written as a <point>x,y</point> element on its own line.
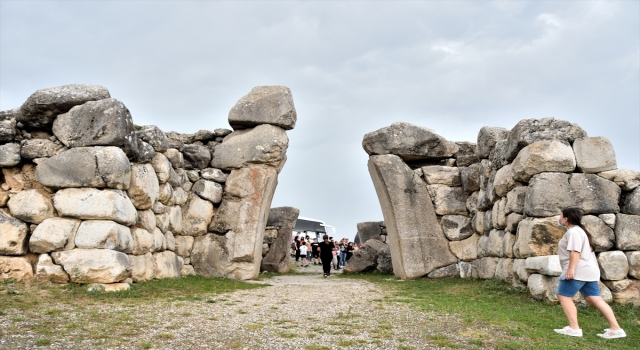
<point>569,331</point>
<point>609,334</point>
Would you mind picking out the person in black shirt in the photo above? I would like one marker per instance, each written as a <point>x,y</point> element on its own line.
<point>350,249</point>
<point>315,253</point>
<point>326,255</point>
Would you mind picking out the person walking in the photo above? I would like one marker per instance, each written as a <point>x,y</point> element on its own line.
<point>326,249</point>
<point>315,253</point>
<point>303,254</point>
<point>580,272</point>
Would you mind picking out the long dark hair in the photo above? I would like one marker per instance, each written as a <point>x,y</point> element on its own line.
<point>574,217</point>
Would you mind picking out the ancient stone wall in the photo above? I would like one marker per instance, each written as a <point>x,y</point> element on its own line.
<point>87,196</point>
<point>490,210</point>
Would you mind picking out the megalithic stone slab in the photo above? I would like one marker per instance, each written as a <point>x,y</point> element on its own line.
<point>277,259</point>
<point>418,245</point>
<point>264,105</point>
<point>93,204</point>
<point>369,230</point>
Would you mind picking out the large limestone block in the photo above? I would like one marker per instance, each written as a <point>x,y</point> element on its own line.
<point>487,267</point>
<point>488,221</point>
<point>478,222</point>
<point>15,268</point>
<point>457,227</point>
<point>142,267</point>
<point>498,217</point>
<point>155,137</point>
<point>466,249</point>
<point>409,142</point>
<point>594,154</point>
<point>487,139</point>
<point>146,220</point>
<point>104,234</point>
<point>632,203</point>
<point>528,131</point>
<point>470,178</point>
<point>467,154</point>
<point>183,245</point>
<point>627,232</point>
<point>167,265</point>
<point>504,270</point>
<point>513,220</point>
<point>214,175</point>
<point>448,200</point>
<point>543,287</point>
<point>520,269</point>
<point>384,264</point>
<point>86,167</point>
<point>504,181</point>
<point>22,178</point>
<point>43,106</point>
<point>472,203</point>
<point>212,256</point>
<point>614,265</point>
<point>209,190</point>
<point>165,194</point>
<point>145,188</point>
<point>547,195</point>
<point>264,144</point>
<point>538,236</point>
<point>38,148</point>
<point>625,291</point>
<point>174,215</point>
<point>443,175</point>
<point>7,129</point>
<point>264,105</point>
<point>515,200</point>
<point>417,243</point>
<point>32,206</point>
<point>169,241</point>
<point>483,246</point>
<point>97,123</point>
<point>633,258</point>
<point>175,157</point>
<point>54,234</point>
<point>180,196</point>
<point>608,219</point>
<point>548,265</point>
<point>162,167</point>
<point>48,271</point>
<point>452,270</point>
<point>159,242</point>
<point>551,156</point>
<point>196,156</point>
<point>627,179</point>
<point>142,241</point>
<point>467,269</point>
<point>602,235</point>
<point>365,258</point>
<point>369,230</point>
<point>196,216</point>
<point>9,155</point>
<point>508,240</point>
<point>93,204</point>
<point>94,265</point>
<point>13,234</point>
<point>593,194</point>
<point>495,245</point>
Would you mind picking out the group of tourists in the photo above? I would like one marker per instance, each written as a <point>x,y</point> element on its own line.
<point>328,252</point>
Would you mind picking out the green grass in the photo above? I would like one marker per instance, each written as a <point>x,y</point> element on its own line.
<point>528,323</point>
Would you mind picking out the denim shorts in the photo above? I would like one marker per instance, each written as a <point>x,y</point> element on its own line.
<point>569,288</point>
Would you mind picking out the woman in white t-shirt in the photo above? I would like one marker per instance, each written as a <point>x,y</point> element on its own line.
<point>580,272</point>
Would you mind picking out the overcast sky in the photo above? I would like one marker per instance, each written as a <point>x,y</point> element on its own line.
<point>353,67</point>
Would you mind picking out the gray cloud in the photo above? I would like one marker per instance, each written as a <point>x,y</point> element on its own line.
<point>353,67</point>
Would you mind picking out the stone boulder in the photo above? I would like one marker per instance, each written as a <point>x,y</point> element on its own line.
<point>183,245</point>
<point>627,232</point>
<point>467,154</point>
<point>548,265</point>
<point>483,243</point>
<point>48,271</point>
<point>448,200</point>
<point>155,137</point>
<point>105,122</point>
<point>550,156</point>
<point>264,144</point>
<point>104,234</point>
<point>384,263</point>
<point>277,259</point>
<point>214,175</point>
<point>417,243</point>
<point>515,200</point>
<point>15,268</point>
<point>497,155</point>
<point>175,157</point>
<point>38,148</point>
<point>9,155</point>
<point>93,204</point>
<point>142,267</point>
<point>209,190</point>
<point>54,234</point>
<point>487,138</point>
<point>543,287</point>
<point>162,167</point>
<point>452,270</point>
<point>593,194</point>
<point>466,249</point>
<point>627,179</point>
<point>528,131</point>
<point>443,175</point>
<point>212,256</point>
<point>513,220</point>
<point>196,156</point>
<point>594,154</point>
<point>538,236</point>
<point>409,142</point>
<point>519,270</point>
<point>504,181</point>
<point>144,188</point>
<point>487,267</point>
<point>602,235</point>
<point>264,105</point>
<point>94,265</point>
<point>457,227</point>
<point>144,154</point>
<point>632,203</point>
<point>614,265</point>
<point>498,217</point>
<point>32,206</point>
<point>166,265</point>
<point>142,241</point>
<point>633,258</point>
<point>196,216</point>
<point>365,258</point>
<point>369,230</point>
<point>13,234</point>
<point>43,106</point>
<point>547,195</point>
<point>508,241</point>
<point>86,167</point>
<point>7,130</point>
<point>625,291</point>
<point>470,178</point>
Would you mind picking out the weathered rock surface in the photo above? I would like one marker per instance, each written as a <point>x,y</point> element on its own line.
<point>155,137</point>
<point>9,155</point>
<point>613,265</point>
<point>196,156</point>
<point>264,144</point>
<point>166,265</point>
<point>504,181</point>
<point>627,179</point>
<point>550,156</point>
<point>93,204</point>
<point>7,129</point>
<point>365,258</point>
<point>547,195</point>
<point>466,249</point>
<point>369,230</point>
<point>519,270</point>
<point>513,220</point>
<point>264,105</point>
<point>104,234</point>
<point>508,241</point>
<point>54,234</point>
<point>487,267</point>
<point>487,138</point>
<point>495,245</point>
<point>625,291</point>
<point>443,175</point>
<point>184,244</point>
<point>448,200</point>
<point>208,190</point>
<point>415,238</point>
<point>593,194</point>
<point>196,216</point>
<point>627,232</point>
<point>94,265</point>
<point>452,270</point>
<point>15,268</point>
<point>543,287</point>
<point>175,157</point>
<point>142,241</point>
<point>633,258</point>
<point>142,267</point>
<point>409,142</point>
<point>594,154</point>
<point>384,263</point>
<point>470,178</point>
<point>105,122</point>
<point>32,206</point>
<point>144,188</point>
<point>601,234</point>
<point>467,154</point>
<point>214,175</point>
<point>38,148</point>
<point>13,234</point>
<point>86,167</point>
<point>44,105</point>
<point>498,217</point>
<point>456,227</point>
<point>504,270</point>
<point>538,236</point>
<point>48,271</point>
<point>515,200</point>
<point>632,203</point>
<point>277,259</point>
<point>548,265</point>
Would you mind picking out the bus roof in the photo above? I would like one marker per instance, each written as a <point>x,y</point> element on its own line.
<point>308,224</point>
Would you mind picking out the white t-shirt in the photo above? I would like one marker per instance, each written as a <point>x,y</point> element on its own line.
<point>303,249</point>
<point>575,239</point>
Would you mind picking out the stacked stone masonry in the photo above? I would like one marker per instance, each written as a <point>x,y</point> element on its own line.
<point>88,197</point>
<point>490,210</point>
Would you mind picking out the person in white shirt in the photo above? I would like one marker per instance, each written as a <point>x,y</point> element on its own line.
<point>303,254</point>
<point>580,272</point>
